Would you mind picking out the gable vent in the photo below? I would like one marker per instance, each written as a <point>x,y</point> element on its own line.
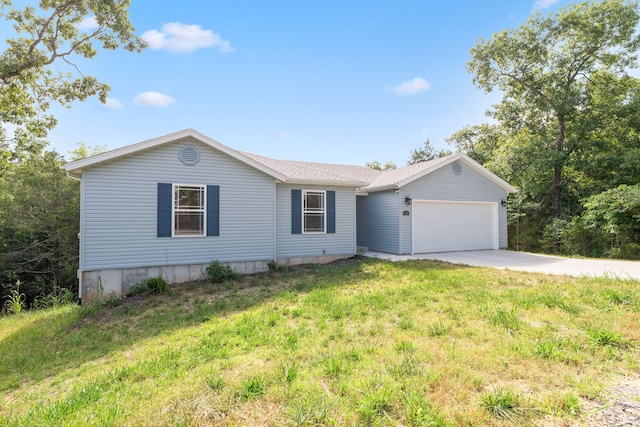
<point>456,167</point>
<point>189,155</point>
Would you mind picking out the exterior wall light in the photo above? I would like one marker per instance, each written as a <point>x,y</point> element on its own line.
<point>503,203</point>
<point>407,200</point>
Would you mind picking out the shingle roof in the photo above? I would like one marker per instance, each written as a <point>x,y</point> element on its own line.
<point>296,172</point>
<point>307,172</point>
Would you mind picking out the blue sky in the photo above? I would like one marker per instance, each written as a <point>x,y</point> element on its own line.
<point>330,81</point>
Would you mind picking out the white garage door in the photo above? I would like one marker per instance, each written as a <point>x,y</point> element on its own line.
<point>454,226</point>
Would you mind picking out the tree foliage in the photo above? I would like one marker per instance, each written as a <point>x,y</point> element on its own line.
<point>377,166</point>
<point>39,225</point>
<point>545,70</point>
<point>425,153</point>
<point>38,65</point>
<point>567,130</point>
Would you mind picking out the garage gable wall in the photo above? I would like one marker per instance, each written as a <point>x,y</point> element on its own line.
<point>444,184</point>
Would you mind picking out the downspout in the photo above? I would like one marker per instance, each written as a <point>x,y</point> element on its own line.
<point>79,274</point>
<point>275,224</point>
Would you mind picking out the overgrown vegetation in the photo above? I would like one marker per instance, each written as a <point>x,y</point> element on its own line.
<point>351,343</point>
<point>217,272</point>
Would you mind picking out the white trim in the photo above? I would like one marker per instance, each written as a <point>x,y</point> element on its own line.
<point>78,165</point>
<point>324,211</point>
<point>173,211</point>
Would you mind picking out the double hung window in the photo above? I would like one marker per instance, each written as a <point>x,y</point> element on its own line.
<point>189,210</point>
<point>314,211</point>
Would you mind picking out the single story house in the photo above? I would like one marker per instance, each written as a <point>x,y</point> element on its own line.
<point>171,205</point>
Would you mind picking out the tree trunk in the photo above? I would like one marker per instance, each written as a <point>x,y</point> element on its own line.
<point>557,170</point>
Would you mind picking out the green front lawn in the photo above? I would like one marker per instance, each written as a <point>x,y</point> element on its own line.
<point>354,343</point>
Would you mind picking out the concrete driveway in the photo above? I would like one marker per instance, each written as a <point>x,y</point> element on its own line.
<point>523,261</point>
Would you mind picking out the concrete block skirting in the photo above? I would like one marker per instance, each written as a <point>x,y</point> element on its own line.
<point>100,283</point>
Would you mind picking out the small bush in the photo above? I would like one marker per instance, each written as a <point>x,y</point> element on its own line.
<point>137,289</point>
<point>157,285</point>
<point>274,267</point>
<point>219,273</point>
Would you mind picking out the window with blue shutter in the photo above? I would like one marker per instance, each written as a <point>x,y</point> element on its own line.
<point>296,211</point>
<point>331,211</point>
<point>313,212</point>
<point>213,210</point>
<point>183,210</point>
<point>165,197</point>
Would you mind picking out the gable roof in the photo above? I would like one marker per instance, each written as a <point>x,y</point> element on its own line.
<point>397,178</point>
<point>297,172</point>
<point>78,165</point>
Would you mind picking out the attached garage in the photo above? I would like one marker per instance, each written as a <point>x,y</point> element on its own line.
<point>444,205</point>
<point>444,226</point>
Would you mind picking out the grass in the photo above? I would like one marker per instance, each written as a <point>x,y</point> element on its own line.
<point>353,343</point>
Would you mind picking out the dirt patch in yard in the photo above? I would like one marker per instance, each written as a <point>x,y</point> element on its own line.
<point>620,409</point>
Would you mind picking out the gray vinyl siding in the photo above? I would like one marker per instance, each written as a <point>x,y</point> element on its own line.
<point>342,242</point>
<point>378,221</point>
<point>120,210</point>
<point>443,184</point>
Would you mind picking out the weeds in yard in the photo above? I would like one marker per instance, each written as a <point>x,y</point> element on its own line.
<point>606,337</point>
<point>363,342</point>
<point>420,412</point>
<point>15,303</point>
<point>252,387</point>
<point>501,403</point>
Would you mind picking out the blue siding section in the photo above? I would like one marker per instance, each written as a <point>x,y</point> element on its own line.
<point>443,184</point>
<point>342,242</point>
<point>378,221</point>
<point>119,211</point>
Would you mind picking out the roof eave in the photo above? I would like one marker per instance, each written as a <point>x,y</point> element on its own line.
<point>78,165</point>
<point>469,161</point>
<point>326,182</point>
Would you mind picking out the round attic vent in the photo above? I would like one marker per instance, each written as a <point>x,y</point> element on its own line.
<point>189,155</point>
<point>456,167</point>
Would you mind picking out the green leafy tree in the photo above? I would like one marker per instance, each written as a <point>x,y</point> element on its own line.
<point>37,66</point>
<point>377,166</point>
<point>425,153</point>
<point>617,213</point>
<point>545,70</point>
<point>39,224</point>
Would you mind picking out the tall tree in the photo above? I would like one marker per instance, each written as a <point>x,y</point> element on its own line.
<point>425,153</point>
<point>545,70</point>
<point>37,67</point>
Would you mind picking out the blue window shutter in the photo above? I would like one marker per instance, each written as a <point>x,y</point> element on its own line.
<point>213,210</point>
<point>296,211</point>
<point>165,198</point>
<point>331,211</point>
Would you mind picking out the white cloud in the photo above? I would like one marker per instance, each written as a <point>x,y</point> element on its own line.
<point>88,23</point>
<point>283,134</point>
<point>544,4</point>
<point>410,87</point>
<point>153,99</point>
<point>112,104</point>
<point>180,38</point>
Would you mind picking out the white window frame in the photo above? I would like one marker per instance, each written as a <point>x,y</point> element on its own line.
<point>323,211</point>
<point>175,210</point>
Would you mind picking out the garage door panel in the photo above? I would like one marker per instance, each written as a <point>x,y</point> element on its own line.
<point>453,226</point>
